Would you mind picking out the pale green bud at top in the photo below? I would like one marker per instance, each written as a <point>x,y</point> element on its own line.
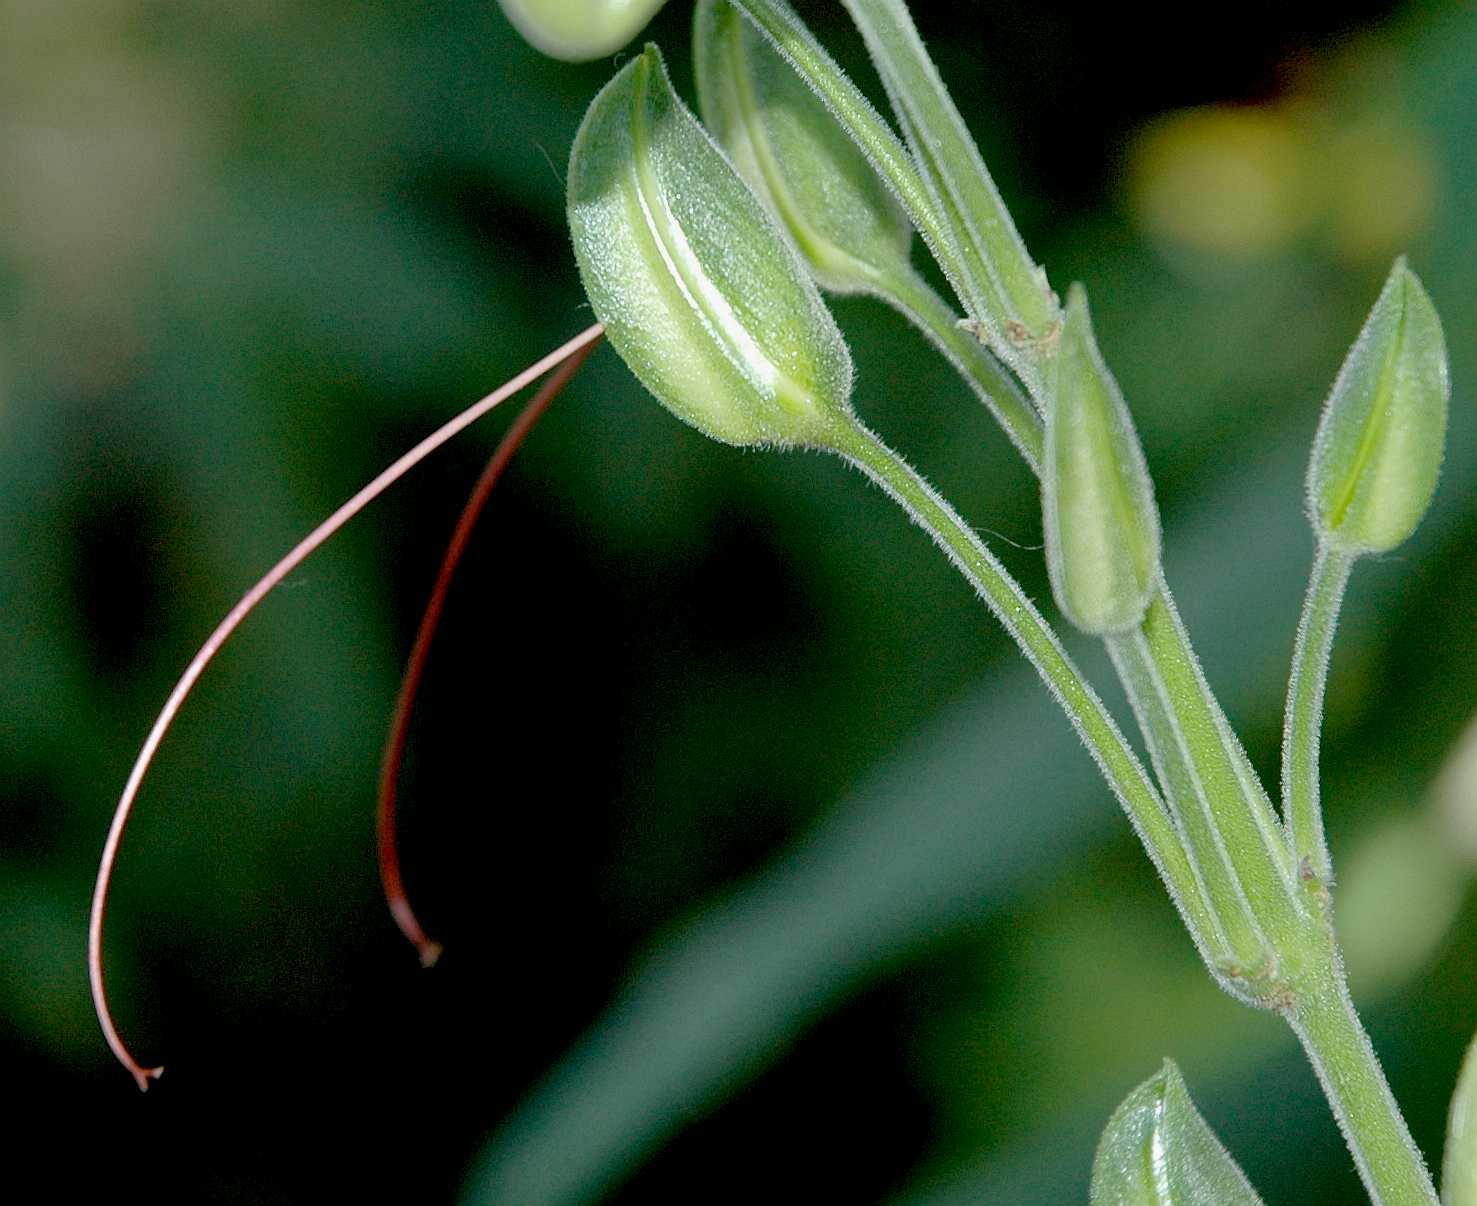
<point>1101,523</point>
<point>1383,432</point>
<point>795,155</point>
<point>699,291</point>
<point>577,30</point>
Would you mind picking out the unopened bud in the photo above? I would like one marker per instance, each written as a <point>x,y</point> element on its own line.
<point>1459,1166</point>
<point>1157,1148</point>
<point>1380,442</point>
<point>1100,520</point>
<point>793,152</point>
<point>577,30</point>
<point>699,291</point>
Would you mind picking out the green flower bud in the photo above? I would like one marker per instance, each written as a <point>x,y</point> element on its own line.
<point>577,30</point>
<point>795,155</point>
<point>1101,524</point>
<point>1459,1166</point>
<point>1157,1148</point>
<point>1379,444</point>
<point>699,292</point>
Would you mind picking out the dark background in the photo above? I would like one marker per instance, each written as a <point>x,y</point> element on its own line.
<point>748,837</point>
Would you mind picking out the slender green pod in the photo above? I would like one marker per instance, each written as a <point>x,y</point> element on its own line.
<point>699,292</point>
<point>1100,520</point>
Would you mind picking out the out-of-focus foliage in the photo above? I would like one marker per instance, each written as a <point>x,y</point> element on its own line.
<point>248,252</point>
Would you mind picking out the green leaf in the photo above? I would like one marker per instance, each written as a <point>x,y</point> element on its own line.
<point>577,30</point>
<point>795,155</point>
<point>700,293</point>
<point>1101,524</point>
<point>1459,1165</point>
<point>1383,433</point>
<point>1158,1151</point>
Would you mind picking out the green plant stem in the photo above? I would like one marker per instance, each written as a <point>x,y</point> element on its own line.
<point>1008,286</point>
<point>1201,765</point>
<point>1244,816</point>
<point>1186,795</point>
<point>1303,723</point>
<point>985,375</point>
<point>1216,755</point>
<point>1255,841</point>
<point>1324,1020</point>
<point>1227,818</point>
<point>1003,595</point>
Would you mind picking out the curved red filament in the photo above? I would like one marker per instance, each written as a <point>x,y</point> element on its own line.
<point>389,854</point>
<point>300,553</point>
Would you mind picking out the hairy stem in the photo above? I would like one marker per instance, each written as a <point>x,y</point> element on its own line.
<point>988,378</point>
<point>1244,816</point>
<point>1303,721</point>
<point>1203,765</point>
<point>1175,765</point>
<point>1003,595</point>
<point>1389,1163</point>
<point>1007,286</point>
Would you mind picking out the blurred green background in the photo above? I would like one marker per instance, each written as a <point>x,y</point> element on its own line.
<point>763,867</point>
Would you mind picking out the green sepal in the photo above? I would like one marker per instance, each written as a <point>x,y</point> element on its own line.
<point>1379,445</point>
<point>700,293</point>
<point>1158,1151</point>
<point>579,30</point>
<point>842,218</point>
<point>1101,523</point>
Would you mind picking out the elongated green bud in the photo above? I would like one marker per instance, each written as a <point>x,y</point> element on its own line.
<point>1101,524</point>
<point>577,30</point>
<point>1158,1151</point>
<point>795,155</point>
<point>1379,445</point>
<point>700,293</point>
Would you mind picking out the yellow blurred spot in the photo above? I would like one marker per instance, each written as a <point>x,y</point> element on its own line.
<point>1382,188</point>
<point>1339,161</point>
<point>1230,181</point>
